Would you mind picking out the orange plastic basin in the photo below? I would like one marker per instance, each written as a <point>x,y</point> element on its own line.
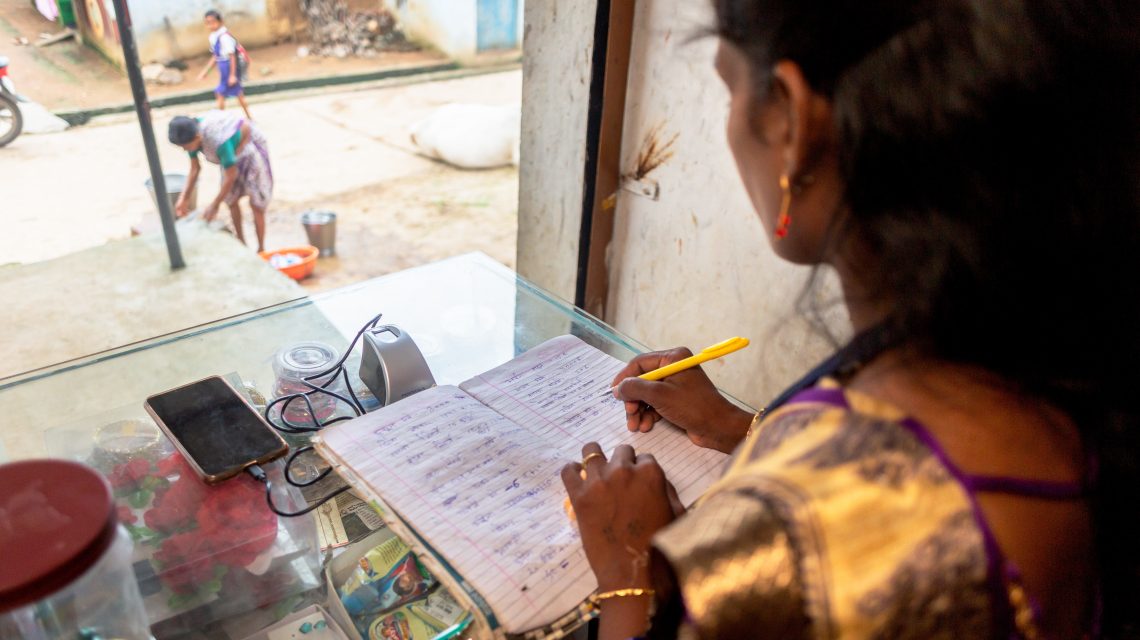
<point>302,269</point>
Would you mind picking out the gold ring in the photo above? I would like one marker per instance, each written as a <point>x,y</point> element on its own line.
<point>591,456</point>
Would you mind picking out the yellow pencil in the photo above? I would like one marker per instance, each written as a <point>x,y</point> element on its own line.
<point>712,353</point>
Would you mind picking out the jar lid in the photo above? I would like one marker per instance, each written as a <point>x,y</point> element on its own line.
<point>57,518</point>
<point>304,359</point>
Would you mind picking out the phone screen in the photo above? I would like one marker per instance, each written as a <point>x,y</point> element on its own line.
<point>214,426</point>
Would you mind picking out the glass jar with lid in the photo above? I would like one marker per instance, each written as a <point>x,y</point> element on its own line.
<point>66,570</point>
<point>291,366</point>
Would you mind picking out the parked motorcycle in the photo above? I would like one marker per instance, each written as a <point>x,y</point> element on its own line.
<point>11,120</point>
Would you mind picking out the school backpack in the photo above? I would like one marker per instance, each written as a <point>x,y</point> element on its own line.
<point>242,62</point>
<point>242,57</point>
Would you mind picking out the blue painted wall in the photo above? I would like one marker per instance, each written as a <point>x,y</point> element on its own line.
<point>497,24</point>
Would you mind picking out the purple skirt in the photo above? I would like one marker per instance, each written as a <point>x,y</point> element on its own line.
<point>224,88</point>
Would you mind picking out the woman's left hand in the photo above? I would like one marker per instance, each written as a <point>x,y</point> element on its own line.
<point>211,212</point>
<point>620,505</point>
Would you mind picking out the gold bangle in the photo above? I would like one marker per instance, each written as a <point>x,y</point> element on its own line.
<point>622,593</point>
<point>752,425</point>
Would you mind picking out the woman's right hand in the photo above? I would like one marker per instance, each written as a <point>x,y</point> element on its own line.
<point>687,399</point>
<point>180,207</point>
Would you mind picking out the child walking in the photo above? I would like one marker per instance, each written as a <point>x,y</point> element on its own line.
<point>227,53</point>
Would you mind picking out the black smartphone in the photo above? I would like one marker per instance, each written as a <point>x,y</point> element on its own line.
<point>213,426</point>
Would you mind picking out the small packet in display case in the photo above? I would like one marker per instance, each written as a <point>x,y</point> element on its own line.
<point>387,576</point>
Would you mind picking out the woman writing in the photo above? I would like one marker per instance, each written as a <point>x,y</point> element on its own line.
<point>966,466</point>
<point>239,147</point>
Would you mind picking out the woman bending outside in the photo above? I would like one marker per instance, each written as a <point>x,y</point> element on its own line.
<point>237,145</point>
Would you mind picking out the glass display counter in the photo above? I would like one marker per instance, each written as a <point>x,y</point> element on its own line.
<point>467,314</point>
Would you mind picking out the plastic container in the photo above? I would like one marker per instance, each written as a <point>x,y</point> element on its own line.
<point>175,185</point>
<point>296,271</point>
<point>321,229</point>
<point>121,441</point>
<point>202,554</point>
<point>66,570</point>
<point>292,365</point>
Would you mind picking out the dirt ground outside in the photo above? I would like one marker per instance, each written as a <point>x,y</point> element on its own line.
<point>389,227</point>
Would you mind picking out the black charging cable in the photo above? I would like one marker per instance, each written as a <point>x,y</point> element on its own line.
<point>259,474</point>
<point>329,376</point>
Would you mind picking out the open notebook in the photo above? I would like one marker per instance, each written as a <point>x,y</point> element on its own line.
<point>472,474</point>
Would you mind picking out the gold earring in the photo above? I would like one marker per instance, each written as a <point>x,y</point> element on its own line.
<point>784,219</point>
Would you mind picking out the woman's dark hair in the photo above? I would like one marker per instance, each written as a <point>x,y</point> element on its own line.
<point>182,130</point>
<point>989,153</point>
<point>213,13</point>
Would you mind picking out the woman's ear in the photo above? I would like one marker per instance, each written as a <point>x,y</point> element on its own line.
<point>801,118</point>
<point>770,115</point>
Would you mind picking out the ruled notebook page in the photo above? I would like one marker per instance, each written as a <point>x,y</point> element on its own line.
<point>555,391</point>
<point>482,485</point>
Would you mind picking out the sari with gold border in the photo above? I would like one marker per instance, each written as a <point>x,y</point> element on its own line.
<point>840,518</point>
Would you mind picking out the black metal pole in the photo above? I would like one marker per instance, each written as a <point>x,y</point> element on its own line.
<point>142,106</point>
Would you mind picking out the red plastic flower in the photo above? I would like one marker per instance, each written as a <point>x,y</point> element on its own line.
<point>174,508</point>
<point>238,522</point>
<point>184,562</point>
<point>126,515</point>
<point>127,476</point>
<point>208,527</point>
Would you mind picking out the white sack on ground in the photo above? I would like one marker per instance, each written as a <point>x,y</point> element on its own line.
<point>37,119</point>
<point>470,136</point>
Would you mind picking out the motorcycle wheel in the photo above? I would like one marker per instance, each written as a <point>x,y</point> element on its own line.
<point>11,120</point>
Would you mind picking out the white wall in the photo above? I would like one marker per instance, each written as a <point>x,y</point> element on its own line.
<point>695,267</point>
<point>187,35</point>
<point>557,49</point>
<point>448,25</point>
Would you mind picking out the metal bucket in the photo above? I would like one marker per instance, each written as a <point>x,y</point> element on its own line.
<point>175,185</point>
<point>321,229</point>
